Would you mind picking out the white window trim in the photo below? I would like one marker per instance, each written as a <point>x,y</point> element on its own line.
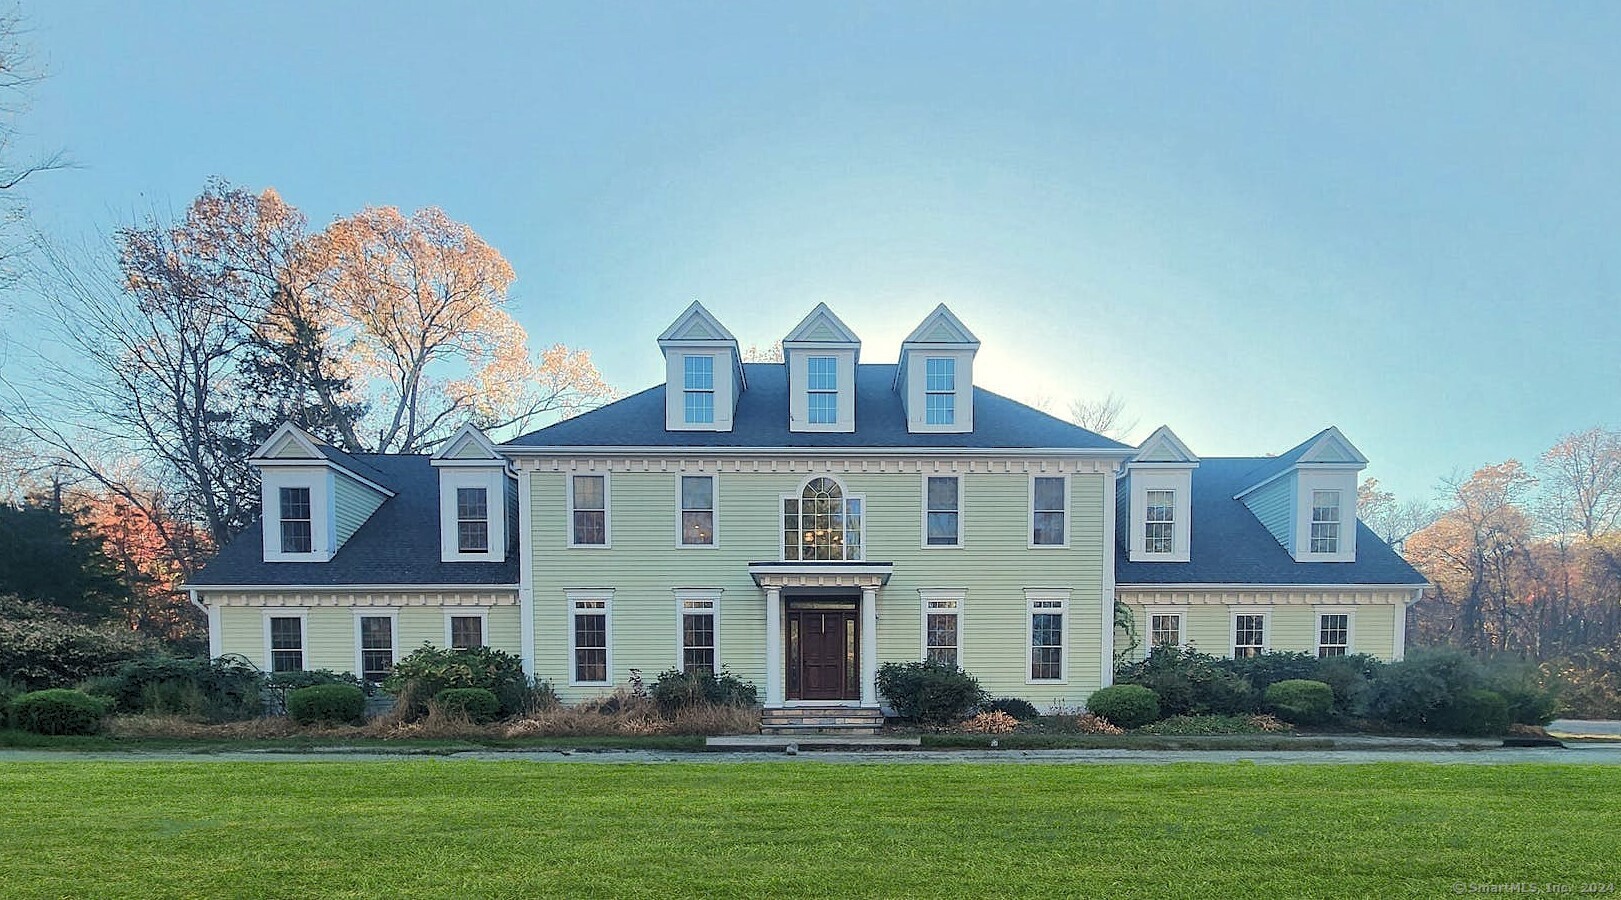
<point>1032,596</point>
<point>376,612</point>
<point>1349,612</point>
<point>1170,550</point>
<point>701,595</point>
<point>927,393</point>
<point>466,612</point>
<point>323,513</point>
<point>714,506</point>
<point>303,635</point>
<point>607,509</point>
<point>494,482</point>
<point>954,596</point>
<point>1232,628</point>
<point>1149,612</point>
<point>711,391</point>
<point>1338,522</point>
<point>810,392</point>
<point>923,486</point>
<point>1030,518</point>
<point>606,597</point>
<point>799,494</point>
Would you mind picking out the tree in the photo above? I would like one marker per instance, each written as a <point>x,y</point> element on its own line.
<point>49,557</point>
<point>754,354</point>
<point>1103,416</point>
<point>1581,479</point>
<point>1392,520</point>
<point>18,75</point>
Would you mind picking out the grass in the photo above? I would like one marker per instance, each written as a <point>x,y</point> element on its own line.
<point>469,829</point>
<point>13,739</point>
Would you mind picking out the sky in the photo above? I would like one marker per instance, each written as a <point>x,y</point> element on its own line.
<point>1249,221</point>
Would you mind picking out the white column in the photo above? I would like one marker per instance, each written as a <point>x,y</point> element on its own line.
<point>869,646</point>
<point>773,647</point>
<point>526,574</point>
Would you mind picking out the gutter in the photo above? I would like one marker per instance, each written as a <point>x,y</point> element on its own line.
<point>691,451</point>
<point>194,588</point>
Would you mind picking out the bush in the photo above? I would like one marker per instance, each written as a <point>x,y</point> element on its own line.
<point>326,703</point>
<point>1477,712</point>
<point>1200,725</point>
<point>475,703</point>
<point>423,674</point>
<point>1268,669</point>
<point>218,690</point>
<point>675,689</point>
<point>41,647</point>
<point>58,711</point>
<point>1415,691</point>
<point>1125,705</point>
<point>1023,710</point>
<point>1589,683</point>
<point>1349,677</point>
<point>292,681</point>
<point>1190,683</point>
<point>1532,698</point>
<point>929,692</point>
<point>1301,701</point>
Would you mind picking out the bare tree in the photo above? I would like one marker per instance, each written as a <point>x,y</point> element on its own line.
<point>18,76</point>
<point>755,354</point>
<point>1581,483</point>
<point>1393,520</point>
<point>1104,416</point>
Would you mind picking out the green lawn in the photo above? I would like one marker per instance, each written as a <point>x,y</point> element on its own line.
<point>444,828</point>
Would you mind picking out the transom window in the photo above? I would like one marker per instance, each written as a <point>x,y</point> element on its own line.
<point>941,628</point>
<point>376,647</point>
<point>940,390</point>
<point>1249,635</point>
<point>296,533</point>
<point>472,520</point>
<point>1048,509</point>
<point>943,511</point>
<point>1325,521</point>
<point>286,644</point>
<point>1333,634</point>
<point>822,382</point>
<point>1046,640</point>
<point>591,641</point>
<point>466,632</point>
<point>698,390</point>
<point>589,512</point>
<point>822,523</point>
<point>1159,524</point>
<point>697,635</point>
<point>1165,630</point>
<point>698,510</point>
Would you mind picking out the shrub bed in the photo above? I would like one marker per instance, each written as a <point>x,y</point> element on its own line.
<point>476,704</point>
<point>217,690</point>
<point>1191,683</point>
<point>1198,725</point>
<point>1023,710</point>
<point>423,674</point>
<point>58,711</point>
<point>675,689</point>
<point>1301,701</point>
<point>326,704</point>
<point>929,692</point>
<point>1125,705</point>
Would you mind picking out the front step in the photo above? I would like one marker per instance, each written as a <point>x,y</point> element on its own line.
<point>831,720</point>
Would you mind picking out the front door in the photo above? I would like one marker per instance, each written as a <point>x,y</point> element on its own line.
<point>823,653</point>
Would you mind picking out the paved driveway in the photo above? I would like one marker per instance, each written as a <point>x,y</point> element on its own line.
<point>1597,727</point>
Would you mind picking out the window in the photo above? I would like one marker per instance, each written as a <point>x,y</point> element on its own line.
<point>1165,630</point>
<point>821,523</point>
<point>376,647</point>
<point>697,635</point>
<point>286,643</point>
<point>940,391</point>
<point>698,510</point>
<point>698,399</point>
<point>1249,635</point>
<point>1325,521</point>
<point>590,641</point>
<point>941,632</point>
<point>942,514</point>
<point>472,520</point>
<point>1047,640</point>
<point>1333,634</point>
<point>296,535</point>
<point>1159,523</point>
<point>588,506</point>
<point>1049,503</point>
<point>466,632</point>
<point>822,380</point>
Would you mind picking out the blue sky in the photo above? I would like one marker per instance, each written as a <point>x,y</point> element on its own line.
<point>1251,222</point>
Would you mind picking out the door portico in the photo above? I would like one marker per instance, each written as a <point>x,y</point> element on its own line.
<point>829,610</point>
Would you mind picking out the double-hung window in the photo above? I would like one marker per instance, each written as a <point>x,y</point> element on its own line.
<point>1325,521</point>
<point>822,385</point>
<point>472,520</point>
<point>376,647</point>
<point>698,634</point>
<point>942,632</point>
<point>697,510</point>
<point>698,390</point>
<point>939,390</point>
<point>1333,634</point>
<point>1047,640</point>
<point>942,516</point>
<point>590,641</point>
<point>286,643</point>
<point>1049,507</point>
<point>1165,630</point>
<point>1159,521</point>
<point>466,632</point>
<point>296,533</point>
<point>588,511</point>
<point>1249,635</point>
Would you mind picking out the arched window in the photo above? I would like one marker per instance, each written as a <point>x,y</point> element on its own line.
<point>821,523</point>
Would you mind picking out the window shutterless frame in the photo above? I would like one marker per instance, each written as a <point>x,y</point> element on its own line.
<point>370,646</point>
<point>1046,637</point>
<point>1336,630</point>
<point>1048,525</point>
<point>590,638</point>
<point>1158,622</point>
<point>472,520</point>
<point>927,502</point>
<point>695,515</point>
<point>480,620</point>
<point>279,646</point>
<point>695,638</point>
<point>1326,515</point>
<point>1244,626</point>
<point>588,526</point>
<point>942,624</point>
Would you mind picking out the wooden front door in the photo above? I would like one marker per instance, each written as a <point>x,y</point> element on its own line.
<point>823,654</point>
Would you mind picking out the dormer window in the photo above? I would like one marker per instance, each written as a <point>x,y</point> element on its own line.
<point>698,400</point>
<point>1158,486</point>
<point>297,530</point>
<point>1325,521</point>
<point>477,500</point>
<point>940,390</point>
<point>822,381</point>
<point>1159,521</point>
<point>472,520</point>
<point>935,375</point>
<point>703,373</point>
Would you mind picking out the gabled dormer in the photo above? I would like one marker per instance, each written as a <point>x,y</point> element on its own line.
<point>1307,498</point>
<point>1158,485</point>
<point>821,354</point>
<point>313,496</point>
<point>477,499</point>
<point>935,375</point>
<point>703,373</point>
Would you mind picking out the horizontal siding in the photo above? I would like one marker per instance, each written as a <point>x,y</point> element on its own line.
<point>352,504</point>
<point>1207,627</point>
<point>1274,505</point>
<point>330,638</point>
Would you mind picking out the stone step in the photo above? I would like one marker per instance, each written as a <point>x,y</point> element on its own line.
<point>823,730</point>
<point>768,742</point>
<point>822,720</point>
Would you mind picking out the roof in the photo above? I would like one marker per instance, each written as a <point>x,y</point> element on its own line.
<point>1231,546</point>
<point>761,420</point>
<point>399,544</point>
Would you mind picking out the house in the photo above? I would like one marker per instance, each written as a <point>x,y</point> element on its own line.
<point>799,524</point>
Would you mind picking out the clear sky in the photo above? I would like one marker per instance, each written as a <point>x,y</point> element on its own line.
<point>1251,222</point>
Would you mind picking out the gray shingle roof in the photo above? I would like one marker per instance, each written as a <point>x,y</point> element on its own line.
<point>762,421</point>
<point>1231,546</point>
<point>399,544</point>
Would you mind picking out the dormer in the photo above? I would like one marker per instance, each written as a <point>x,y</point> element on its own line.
<point>703,373</point>
<point>821,354</point>
<point>935,375</point>
<point>1307,498</point>
<point>313,496</point>
<point>477,499</point>
<point>1158,485</point>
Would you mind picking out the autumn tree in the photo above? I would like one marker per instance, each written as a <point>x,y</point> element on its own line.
<point>1581,482</point>
<point>1392,520</point>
